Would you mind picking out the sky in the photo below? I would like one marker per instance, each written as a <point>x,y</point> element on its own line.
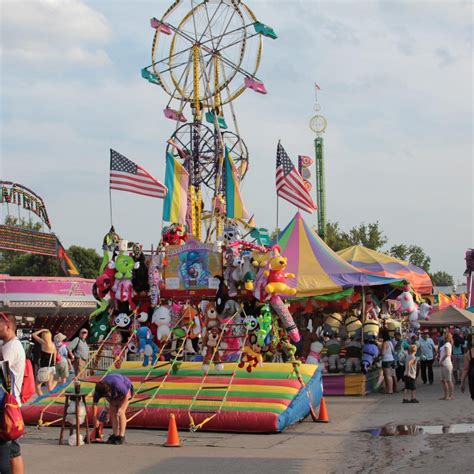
<point>396,90</point>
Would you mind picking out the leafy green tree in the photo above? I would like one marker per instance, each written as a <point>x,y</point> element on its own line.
<point>369,235</point>
<point>399,251</point>
<point>419,258</point>
<point>13,263</point>
<point>87,261</point>
<point>442,279</point>
<point>334,237</point>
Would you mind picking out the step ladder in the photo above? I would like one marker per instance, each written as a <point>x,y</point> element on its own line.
<point>205,392</point>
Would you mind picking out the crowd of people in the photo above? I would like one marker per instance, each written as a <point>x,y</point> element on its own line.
<point>406,358</point>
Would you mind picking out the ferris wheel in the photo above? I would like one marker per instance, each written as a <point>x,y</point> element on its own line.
<point>205,54</point>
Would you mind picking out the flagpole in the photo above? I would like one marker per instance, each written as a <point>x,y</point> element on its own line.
<point>110,205</point>
<point>278,208</point>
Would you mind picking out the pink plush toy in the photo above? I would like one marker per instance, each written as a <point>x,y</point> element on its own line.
<point>408,306</point>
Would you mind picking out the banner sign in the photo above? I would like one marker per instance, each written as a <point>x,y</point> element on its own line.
<point>191,269</point>
<point>13,193</point>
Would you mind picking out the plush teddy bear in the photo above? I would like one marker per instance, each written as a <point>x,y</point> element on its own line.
<point>260,261</point>
<point>211,317</point>
<point>276,277</point>
<point>210,350</point>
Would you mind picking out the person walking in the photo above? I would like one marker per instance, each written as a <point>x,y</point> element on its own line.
<point>12,351</point>
<point>410,376</point>
<point>427,355</point>
<point>117,390</point>
<point>79,352</point>
<point>447,367</point>
<point>458,355</point>
<point>63,365</point>
<point>388,363</point>
<point>468,371</point>
<point>47,360</point>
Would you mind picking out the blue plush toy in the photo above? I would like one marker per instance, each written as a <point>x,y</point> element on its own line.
<point>370,352</point>
<point>146,345</point>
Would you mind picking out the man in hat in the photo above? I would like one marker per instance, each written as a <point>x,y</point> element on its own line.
<point>78,351</point>
<point>63,364</point>
<point>427,355</point>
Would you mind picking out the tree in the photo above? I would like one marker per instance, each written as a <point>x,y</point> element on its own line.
<point>399,251</point>
<point>413,254</point>
<point>368,235</point>
<point>13,263</point>
<point>442,279</point>
<point>419,258</point>
<point>334,238</point>
<point>87,261</point>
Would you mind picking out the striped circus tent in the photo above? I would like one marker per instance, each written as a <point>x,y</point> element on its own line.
<point>370,261</point>
<point>318,269</point>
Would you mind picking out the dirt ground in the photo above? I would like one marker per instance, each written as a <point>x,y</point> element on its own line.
<point>340,446</point>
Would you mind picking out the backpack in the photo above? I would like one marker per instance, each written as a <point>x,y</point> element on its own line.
<point>11,423</point>
<point>28,387</point>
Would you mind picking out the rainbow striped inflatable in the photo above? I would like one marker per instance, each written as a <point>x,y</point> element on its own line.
<point>268,400</point>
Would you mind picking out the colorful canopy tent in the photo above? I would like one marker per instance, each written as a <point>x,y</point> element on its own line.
<point>318,269</point>
<point>376,263</point>
<point>450,316</point>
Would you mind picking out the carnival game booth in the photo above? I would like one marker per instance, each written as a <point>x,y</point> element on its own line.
<point>377,263</point>
<point>268,400</point>
<point>61,304</point>
<point>329,294</point>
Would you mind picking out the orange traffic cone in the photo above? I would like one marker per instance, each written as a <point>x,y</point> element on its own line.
<point>173,436</point>
<point>323,413</point>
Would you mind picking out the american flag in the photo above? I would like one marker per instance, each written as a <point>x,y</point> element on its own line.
<point>290,184</point>
<point>125,175</point>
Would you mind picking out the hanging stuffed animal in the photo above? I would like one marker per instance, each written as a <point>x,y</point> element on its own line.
<point>353,355</point>
<point>230,234</point>
<point>146,346</point>
<point>333,323</point>
<point>333,348</point>
<point>231,340</point>
<point>222,295</point>
<point>248,270</point>
<point>140,271</point>
<point>162,319</point>
<point>230,267</point>
<point>371,328</point>
<point>251,354</point>
<point>353,325</point>
<point>281,309</point>
<point>276,277</point>
<point>261,262</point>
<point>210,350</point>
<point>264,320</point>
<point>175,234</point>
<point>211,318</point>
<point>370,352</point>
<point>408,307</point>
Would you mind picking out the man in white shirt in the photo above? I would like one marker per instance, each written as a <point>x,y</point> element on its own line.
<point>13,352</point>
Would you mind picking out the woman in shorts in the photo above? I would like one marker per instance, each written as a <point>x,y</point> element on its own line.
<point>446,364</point>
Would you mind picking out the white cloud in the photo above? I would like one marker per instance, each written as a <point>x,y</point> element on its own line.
<point>46,31</point>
